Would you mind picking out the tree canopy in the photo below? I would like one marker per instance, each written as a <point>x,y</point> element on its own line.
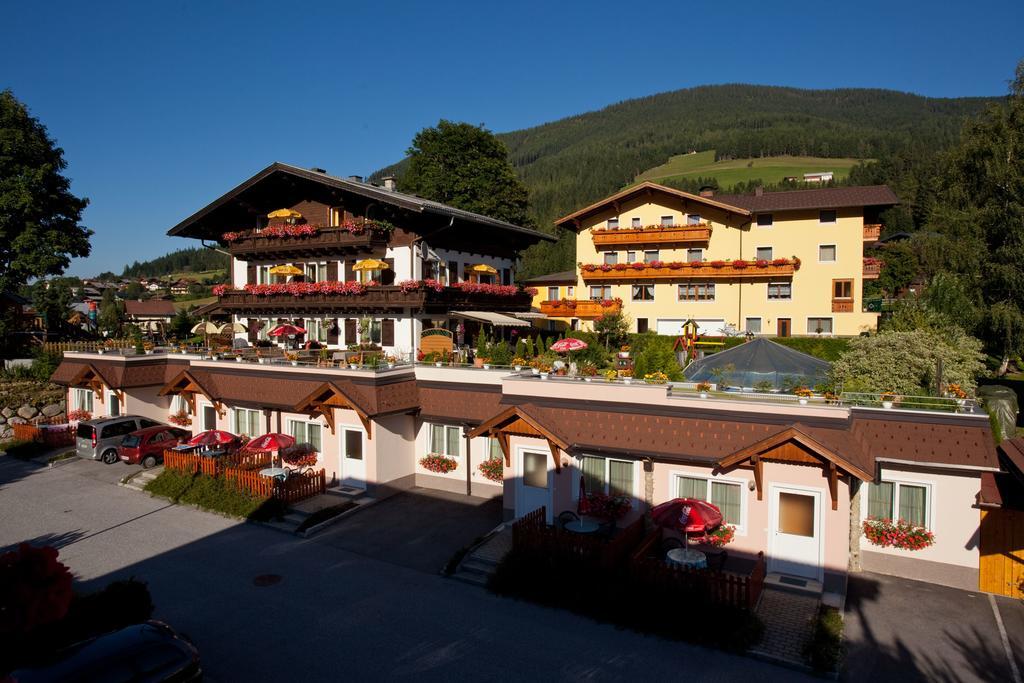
<point>465,166</point>
<point>39,216</point>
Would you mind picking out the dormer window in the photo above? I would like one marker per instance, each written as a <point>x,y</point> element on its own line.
<point>635,223</point>
<point>667,221</point>
<point>613,223</point>
<point>693,219</point>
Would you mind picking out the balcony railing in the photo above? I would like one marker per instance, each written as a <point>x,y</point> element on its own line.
<point>872,268</point>
<point>872,231</point>
<point>378,298</point>
<point>585,310</point>
<point>652,235</point>
<point>704,270</point>
<point>842,305</point>
<point>325,241</point>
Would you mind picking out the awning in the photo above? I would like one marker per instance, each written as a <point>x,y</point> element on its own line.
<point>496,319</point>
<point>285,270</point>
<point>284,213</point>
<point>370,264</point>
<point>483,268</point>
<point>529,315</point>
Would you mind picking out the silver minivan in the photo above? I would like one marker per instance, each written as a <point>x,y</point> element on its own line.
<point>98,439</point>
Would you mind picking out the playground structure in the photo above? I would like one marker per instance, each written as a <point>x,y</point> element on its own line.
<point>689,344</point>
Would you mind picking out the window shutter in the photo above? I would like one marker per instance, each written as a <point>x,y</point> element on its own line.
<point>506,276</point>
<point>350,274</point>
<point>250,273</point>
<point>387,276</point>
<point>466,272</point>
<point>332,327</point>
<point>387,332</point>
<point>332,271</point>
<point>254,330</point>
<point>299,322</point>
<point>453,272</point>
<point>350,330</point>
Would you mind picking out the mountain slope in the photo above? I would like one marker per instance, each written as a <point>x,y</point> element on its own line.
<point>577,160</point>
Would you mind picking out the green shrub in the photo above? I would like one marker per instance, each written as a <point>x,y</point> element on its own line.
<point>170,484</point>
<point>23,449</point>
<point>825,648</point>
<point>209,493</point>
<point>825,348</point>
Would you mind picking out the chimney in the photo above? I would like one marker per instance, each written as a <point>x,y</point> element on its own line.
<point>707,191</point>
<point>389,183</point>
<point>317,169</point>
<point>357,178</point>
<point>759,191</point>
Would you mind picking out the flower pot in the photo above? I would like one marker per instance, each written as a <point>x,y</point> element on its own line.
<point>478,363</point>
<point>887,405</point>
<point>390,366</point>
<point>802,401</point>
<point>214,357</point>
<point>437,364</point>
<point>518,368</point>
<point>261,361</point>
<point>101,351</point>
<point>535,371</point>
<point>487,366</point>
<point>588,379</point>
<point>295,363</point>
<point>149,352</point>
<point>238,359</point>
<point>703,394</point>
<point>353,366</point>
<point>627,380</point>
<point>543,375</point>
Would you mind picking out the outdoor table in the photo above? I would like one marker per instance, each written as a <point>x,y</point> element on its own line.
<point>582,526</point>
<point>275,472</point>
<point>214,453</point>
<point>685,557</point>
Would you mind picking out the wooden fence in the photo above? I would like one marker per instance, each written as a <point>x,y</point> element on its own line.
<point>639,555</point>
<point>242,471</point>
<point>60,347</point>
<point>48,434</point>
<point>1001,548</point>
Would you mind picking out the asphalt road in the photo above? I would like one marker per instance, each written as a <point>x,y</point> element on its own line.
<point>336,612</point>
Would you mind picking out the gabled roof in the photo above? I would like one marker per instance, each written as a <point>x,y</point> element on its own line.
<point>646,188</point>
<point>564,277</point>
<point>379,194</point>
<point>152,307</point>
<point>819,198</point>
<point>812,439</point>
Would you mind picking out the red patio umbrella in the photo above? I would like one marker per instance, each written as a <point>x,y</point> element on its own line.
<point>687,516</point>
<point>568,344</point>
<point>212,437</point>
<point>270,442</point>
<point>583,505</point>
<point>286,331</point>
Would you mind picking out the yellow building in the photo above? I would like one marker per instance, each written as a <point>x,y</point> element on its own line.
<point>768,263</point>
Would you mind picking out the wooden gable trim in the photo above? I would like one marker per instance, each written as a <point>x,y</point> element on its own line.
<point>325,398</point>
<point>89,377</point>
<point>515,420</point>
<point>185,384</point>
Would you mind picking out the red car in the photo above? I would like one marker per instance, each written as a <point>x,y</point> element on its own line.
<point>146,446</point>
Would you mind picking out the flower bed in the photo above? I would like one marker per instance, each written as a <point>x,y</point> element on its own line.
<point>493,470</point>
<point>899,533</point>
<point>669,269</point>
<point>440,464</point>
<point>420,285</point>
<point>79,415</point>
<point>307,230</point>
<point>722,536</point>
<point>358,288</point>
<point>180,418</point>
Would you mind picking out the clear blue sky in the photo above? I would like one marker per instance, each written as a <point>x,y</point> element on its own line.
<point>161,107</point>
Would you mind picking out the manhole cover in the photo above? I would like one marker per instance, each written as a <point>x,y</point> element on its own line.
<point>264,580</point>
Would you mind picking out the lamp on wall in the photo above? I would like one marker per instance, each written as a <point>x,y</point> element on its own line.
<point>751,485</point>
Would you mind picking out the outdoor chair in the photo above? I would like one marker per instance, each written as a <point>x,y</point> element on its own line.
<point>566,517</point>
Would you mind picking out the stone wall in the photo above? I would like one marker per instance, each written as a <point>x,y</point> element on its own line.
<point>27,412</point>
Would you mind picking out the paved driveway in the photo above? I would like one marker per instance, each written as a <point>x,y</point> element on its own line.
<point>897,629</point>
<point>336,613</point>
<point>420,529</point>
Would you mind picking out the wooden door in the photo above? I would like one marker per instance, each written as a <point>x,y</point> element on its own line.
<point>785,327</point>
<point>1001,550</point>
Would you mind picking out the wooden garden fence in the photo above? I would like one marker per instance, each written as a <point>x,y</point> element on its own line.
<point>60,347</point>
<point>48,434</point>
<point>242,471</point>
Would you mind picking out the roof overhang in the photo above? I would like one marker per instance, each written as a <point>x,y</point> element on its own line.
<point>186,385</point>
<point>490,318</point>
<point>328,396</point>
<point>516,421</point>
<point>88,376</point>
<point>573,220</point>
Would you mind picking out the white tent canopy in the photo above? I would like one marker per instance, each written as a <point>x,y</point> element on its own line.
<point>490,318</point>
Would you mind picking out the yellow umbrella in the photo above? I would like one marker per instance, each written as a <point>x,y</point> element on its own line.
<point>483,268</point>
<point>369,264</point>
<point>285,270</point>
<point>284,213</point>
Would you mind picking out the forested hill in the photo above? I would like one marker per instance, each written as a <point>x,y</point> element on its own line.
<point>569,163</point>
<point>182,262</point>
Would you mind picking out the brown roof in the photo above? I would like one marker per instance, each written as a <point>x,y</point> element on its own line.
<point>465,403</point>
<point>647,186</point>
<point>821,198</point>
<point>1013,452</point>
<point>1000,490</point>
<point>565,277</point>
<point>927,440</point>
<point>150,307</point>
<point>121,375</point>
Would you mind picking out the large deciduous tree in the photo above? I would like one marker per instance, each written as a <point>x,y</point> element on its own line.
<point>39,216</point>
<point>980,213</point>
<point>467,167</point>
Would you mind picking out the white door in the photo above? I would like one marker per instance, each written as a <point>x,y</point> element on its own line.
<point>533,483</point>
<point>353,458</point>
<point>796,533</point>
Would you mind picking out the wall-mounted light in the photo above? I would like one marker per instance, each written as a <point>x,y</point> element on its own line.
<point>751,485</point>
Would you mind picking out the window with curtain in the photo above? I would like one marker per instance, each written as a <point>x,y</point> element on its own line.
<point>444,440</point>
<point>894,500</point>
<point>494,449</point>
<point>306,432</point>
<point>725,495</point>
<point>880,500</point>
<point>247,422</point>
<point>604,475</point>
<point>643,292</point>
<point>83,399</point>
<point>912,504</point>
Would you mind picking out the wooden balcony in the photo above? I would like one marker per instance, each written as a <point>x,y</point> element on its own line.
<point>842,305</point>
<point>872,269</point>
<point>654,236</point>
<point>872,232</point>
<point>585,309</point>
<point>375,299</point>
<point>702,271</point>
<point>326,242</point>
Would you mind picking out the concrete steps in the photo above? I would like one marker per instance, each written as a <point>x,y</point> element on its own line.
<point>139,480</point>
<point>475,571</point>
<point>480,562</point>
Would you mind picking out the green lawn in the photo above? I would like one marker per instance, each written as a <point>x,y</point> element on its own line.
<point>195,276</point>
<point>771,170</point>
<point>178,305</point>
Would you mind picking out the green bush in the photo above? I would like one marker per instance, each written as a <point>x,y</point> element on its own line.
<point>21,448</point>
<point>825,648</point>
<point>209,493</point>
<point>825,348</point>
<point>594,353</point>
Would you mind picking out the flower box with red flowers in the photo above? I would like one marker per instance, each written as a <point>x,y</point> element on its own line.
<point>899,533</point>
<point>437,463</point>
<point>493,470</point>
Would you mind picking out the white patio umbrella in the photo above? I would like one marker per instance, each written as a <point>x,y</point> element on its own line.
<point>206,328</point>
<point>232,328</point>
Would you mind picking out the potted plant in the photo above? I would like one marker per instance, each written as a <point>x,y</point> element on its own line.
<point>887,399</point>
<point>437,463</point>
<point>180,418</point>
<point>703,388</point>
<point>293,358</point>
<point>485,363</point>
<point>656,377</point>
<point>535,366</point>
<point>720,537</point>
<point>391,360</point>
<point>518,363</point>
<point>544,370</point>
<point>589,371</point>
<point>803,393</point>
<point>610,375</point>
<point>493,469</point>
<point>627,376</point>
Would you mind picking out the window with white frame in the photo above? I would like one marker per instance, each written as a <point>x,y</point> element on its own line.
<point>727,496</point>
<point>82,399</point>
<point>780,291</point>
<point>694,219</point>
<point>337,216</point>
<point>651,255</point>
<point>372,333</point>
<point>667,221</point>
<point>694,254</point>
<point>444,440</point>
<point>899,500</point>
<point>494,451</point>
<point>826,253</point>
<point>630,257</point>
<point>570,291</point>
<point>263,275</point>
<point>312,272</point>
<point>635,222</point>
<point>613,223</point>
<point>179,405</point>
<point>553,294</point>
<point>819,326</point>
<point>611,257</point>
<point>607,475</point>
<point>307,432</point>
<point>753,325</point>
<point>764,253</point>
<point>643,292</point>
<point>246,422</point>
<point>697,291</point>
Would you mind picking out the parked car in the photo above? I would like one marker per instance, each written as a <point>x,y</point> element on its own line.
<point>146,446</point>
<point>98,439</point>
<point>141,653</point>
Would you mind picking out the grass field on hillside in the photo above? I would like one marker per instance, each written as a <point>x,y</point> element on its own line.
<point>193,276</point>
<point>178,305</point>
<point>728,173</point>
